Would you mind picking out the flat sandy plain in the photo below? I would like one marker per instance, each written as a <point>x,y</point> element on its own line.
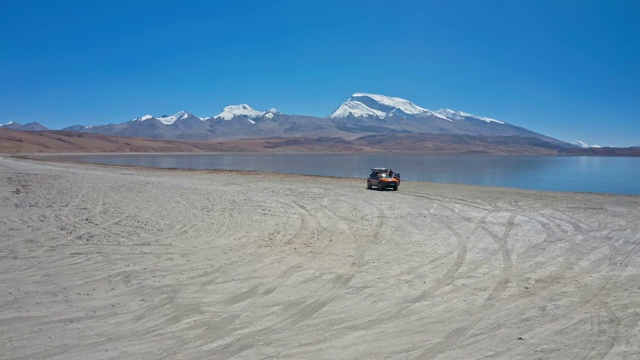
<point>123,263</point>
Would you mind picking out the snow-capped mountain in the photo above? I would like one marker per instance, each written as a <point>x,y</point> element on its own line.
<point>365,105</point>
<point>182,115</point>
<point>11,125</point>
<point>32,126</point>
<point>244,110</point>
<point>372,113</point>
<point>168,120</point>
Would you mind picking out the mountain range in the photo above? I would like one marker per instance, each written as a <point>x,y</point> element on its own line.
<point>32,126</point>
<point>361,115</point>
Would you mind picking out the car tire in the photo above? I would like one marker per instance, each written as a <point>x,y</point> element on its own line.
<point>368,184</point>
<point>380,188</point>
<point>395,188</point>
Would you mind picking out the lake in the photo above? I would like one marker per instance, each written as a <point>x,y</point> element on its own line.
<point>616,175</point>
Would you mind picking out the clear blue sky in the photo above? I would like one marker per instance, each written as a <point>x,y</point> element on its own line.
<point>569,69</point>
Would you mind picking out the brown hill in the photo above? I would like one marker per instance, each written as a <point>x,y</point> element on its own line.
<point>20,142</point>
<point>13,141</point>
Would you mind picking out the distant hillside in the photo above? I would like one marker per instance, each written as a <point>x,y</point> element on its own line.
<point>13,141</point>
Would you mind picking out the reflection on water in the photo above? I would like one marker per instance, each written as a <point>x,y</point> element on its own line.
<point>588,174</point>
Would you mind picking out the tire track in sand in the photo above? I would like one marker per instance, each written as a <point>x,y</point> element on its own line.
<point>489,303</point>
<point>323,296</point>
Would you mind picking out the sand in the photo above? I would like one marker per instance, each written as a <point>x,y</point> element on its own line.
<point>104,262</point>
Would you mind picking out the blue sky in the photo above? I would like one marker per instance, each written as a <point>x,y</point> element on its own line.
<point>568,69</point>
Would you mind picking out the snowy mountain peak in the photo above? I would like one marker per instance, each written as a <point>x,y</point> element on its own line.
<point>391,103</point>
<point>364,105</point>
<point>181,115</point>
<point>381,106</point>
<point>355,108</point>
<point>143,118</point>
<point>245,111</point>
<point>167,120</point>
<point>11,125</point>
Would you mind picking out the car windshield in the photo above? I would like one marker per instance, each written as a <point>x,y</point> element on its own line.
<point>384,176</point>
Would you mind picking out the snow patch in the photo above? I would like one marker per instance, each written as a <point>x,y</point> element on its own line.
<point>459,115</point>
<point>245,110</point>
<point>356,109</point>
<point>405,106</point>
<point>584,145</point>
<point>142,118</point>
<point>168,120</point>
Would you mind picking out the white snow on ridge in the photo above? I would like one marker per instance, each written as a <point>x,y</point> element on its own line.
<point>240,110</point>
<point>405,106</point>
<point>168,120</point>
<point>357,109</point>
<point>459,115</point>
<point>582,144</point>
<point>489,119</point>
<point>433,113</point>
<point>452,114</point>
<point>142,118</point>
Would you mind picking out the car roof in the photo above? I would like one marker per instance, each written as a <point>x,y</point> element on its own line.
<point>379,169</point>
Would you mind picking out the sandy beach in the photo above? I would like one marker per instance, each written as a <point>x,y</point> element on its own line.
<point>124,263</point>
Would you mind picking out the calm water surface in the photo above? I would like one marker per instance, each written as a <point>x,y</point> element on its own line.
<point>616,175</point>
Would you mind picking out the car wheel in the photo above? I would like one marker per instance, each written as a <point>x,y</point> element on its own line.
<point>395,188</point>
<point>380,187</point>
<point>368,184</point>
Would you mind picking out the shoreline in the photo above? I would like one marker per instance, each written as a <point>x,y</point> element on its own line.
<point>43,157</point>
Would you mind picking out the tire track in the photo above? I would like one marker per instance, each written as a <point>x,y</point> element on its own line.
<point>309,308</point>
<point>489,303</point>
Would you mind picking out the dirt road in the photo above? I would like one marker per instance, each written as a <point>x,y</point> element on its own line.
<point>102,263</point>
